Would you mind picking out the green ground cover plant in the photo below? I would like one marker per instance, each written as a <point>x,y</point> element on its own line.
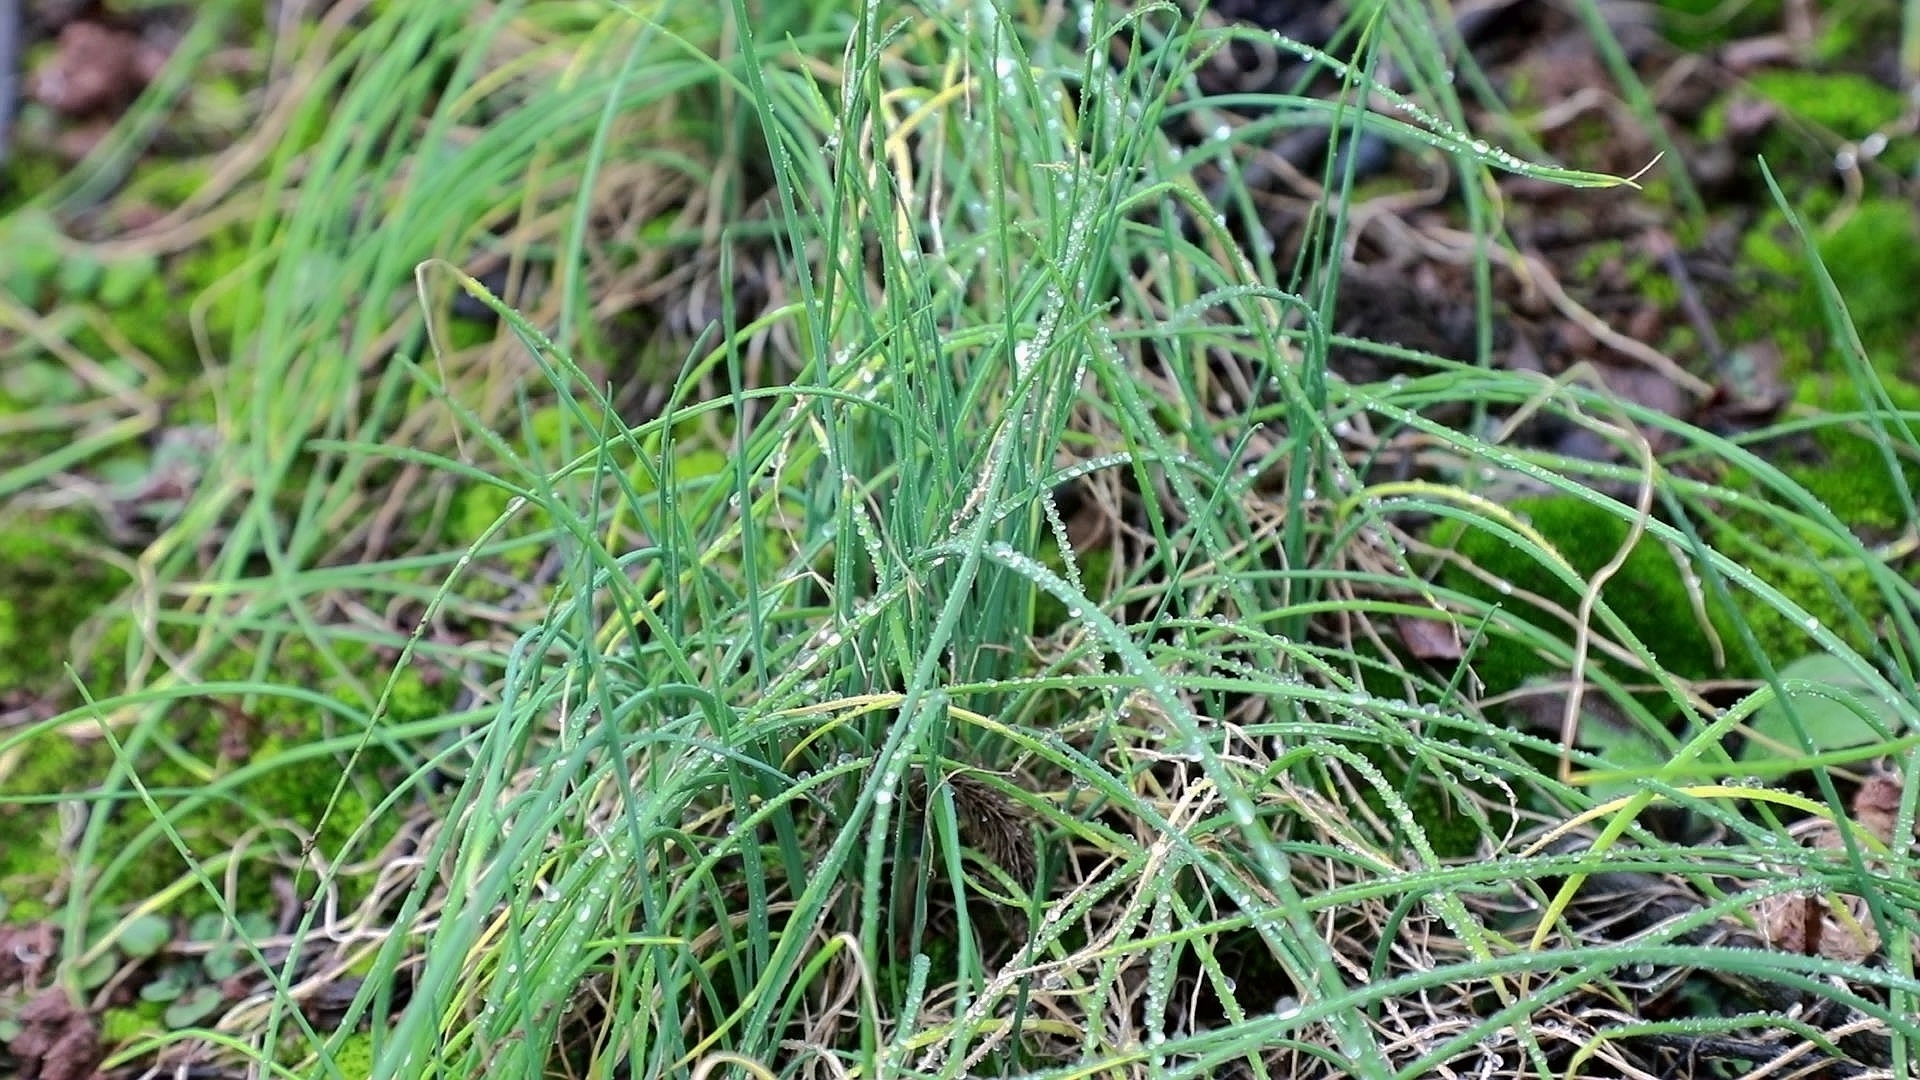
<point>788,540</point>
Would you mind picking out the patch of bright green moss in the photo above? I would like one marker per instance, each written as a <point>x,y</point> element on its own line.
<point>1852,474</point>
<point>1449,830</point>
<point>1701,24</point>
<point>1649,593</point>
<point>48,588</point>
<point>1874,260</point>
<point>192,750</point>
<point>352,1058</point>
<point>1845,468</point>
<point>1851,106</point>
<point>1873,257</point>
<point>1049,614</point>
<point>1816,573</point>
<point>119,1026</point>
<point>1821,106</point>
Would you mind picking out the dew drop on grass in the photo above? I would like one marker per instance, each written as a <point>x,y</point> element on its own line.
<point>1813,624</point>
<point>883,797</point>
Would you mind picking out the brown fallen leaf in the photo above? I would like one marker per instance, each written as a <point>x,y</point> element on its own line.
<point>1429,639</point>
<point>1836,926</point>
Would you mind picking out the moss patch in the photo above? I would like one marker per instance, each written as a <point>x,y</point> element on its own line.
<point>1873,257</point>
<point>1649,593</point>
<point>230,773</point>
<point>1867,486</point>
<point>49,587</point>
<point>1850,106</point>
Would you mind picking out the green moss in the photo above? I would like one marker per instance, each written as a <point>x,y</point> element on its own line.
<point>1649,593</point>
<point>1820,107</point>
<point>49,587</point>
<point>1817,574</point>
<point>33,243</point>
<point>1701,24</point>
<point>1850,471</point>
<point>1851,106</point>
<point>1049,614</point>
<point>351,1058</point>
<point>1844,467</point>
<point>1873,257</point>
<point>256,754</point>
<point>119,1026</point>
<point>1449,830</point>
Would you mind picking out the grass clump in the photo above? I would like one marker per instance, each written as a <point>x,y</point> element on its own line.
<point>783,724</point>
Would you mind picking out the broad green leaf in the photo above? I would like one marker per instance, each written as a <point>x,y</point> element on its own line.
<point>1832,722</point>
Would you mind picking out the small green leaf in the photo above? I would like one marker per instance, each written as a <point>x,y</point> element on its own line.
<point>193,1008</point>
<point>223,961</point>
<point>99,971</point>
<point>1834,721</point>
<point>1625,747</point>
<point>145,935</point>
<point>170,985</point>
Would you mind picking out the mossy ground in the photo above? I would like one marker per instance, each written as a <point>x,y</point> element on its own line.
<point>1649,593</point>
<point>270,791</point>
<point>274,794</point>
